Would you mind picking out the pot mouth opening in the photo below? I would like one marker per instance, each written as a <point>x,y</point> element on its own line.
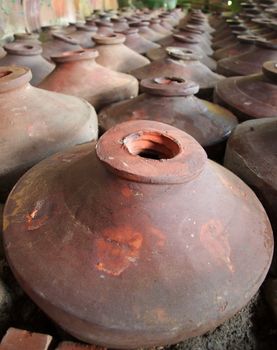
<point>151,145</point>
<point>183,54</point>
<point>76,55</point>
<point>5,73</point>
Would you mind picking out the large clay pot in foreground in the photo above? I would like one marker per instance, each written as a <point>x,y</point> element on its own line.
<point>27,55</point>
<point>183,64</point>
<point>159,241</point>
<point>250,62</point>
<point>114,55</point>
<point>78,74</point>
<point>36,123</point>
<point>251,154</point>
<point>172,101</point>
<point>138,43</point>
<point>252,96</point>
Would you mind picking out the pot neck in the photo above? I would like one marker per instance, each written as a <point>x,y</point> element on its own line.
<point>151,152</point>
<point>76,56</point>
<point>180,54</point>
<point>169,86</point>
<point>23,49</point>
<point>13,77</point>
<point>111,39</point>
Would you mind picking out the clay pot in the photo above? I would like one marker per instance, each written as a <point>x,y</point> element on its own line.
<point>172,101</point>
<point>156,26</point>
<point>146,32</point>
<point>36,123</point>
<point>186,43</point>
<point>104,27</point>
<point>249,97</point>
<point>150,246</point>
<point>120,24</point>
<point>251,154</point>
<point>198,36</point>
<point>60,43</point>
<point>48,31</point>
<point>78,74</point>
<point>138,43</point>
<point>115,55</point>
<point>27,55</point>
<point>183,64</point>
<point>244,44</point>
<point>250,62</point>
<point>84,35</point>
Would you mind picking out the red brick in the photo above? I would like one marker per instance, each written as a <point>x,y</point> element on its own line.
<point>18,339</point>
<point>77,346</point>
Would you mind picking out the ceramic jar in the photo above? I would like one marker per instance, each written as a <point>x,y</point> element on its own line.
<point>78,74</point>
<point>145,31</point>
<point>172,101</point>
<point>140,224</point>
<point>138,43</point>
<point>58,44</point>
<point>114,55</point>
<point>249,62</point>
<point>184,64</point>
<point>28,55</point>
<point>252,96</point>
<point>251,154</point>
<point>120,24</point>
<point>84,35</point>
<point>36,123</point>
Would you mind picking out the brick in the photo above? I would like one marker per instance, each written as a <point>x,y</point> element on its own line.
<point>77,346</point>
<point>18,339</point>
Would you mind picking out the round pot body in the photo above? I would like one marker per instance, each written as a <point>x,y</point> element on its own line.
<point>172,101</point>
<point>27,55</point>
<point>138,43</point>
<point>114,55</point>
<point>243,45</point>
<point>58,44</point>
<point>251,154</point>
<point>252,96</point>
<point>36,123</point>
<point>250,62</point>
<point>78,74</point>
<point>141,226</point>
<point>184,64</point>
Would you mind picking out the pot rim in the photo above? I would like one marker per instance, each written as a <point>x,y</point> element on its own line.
<point>78,55</point>
<point>12,77</point>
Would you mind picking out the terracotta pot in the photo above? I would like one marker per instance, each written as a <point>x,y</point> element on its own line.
<point>36,123</point>
<point>156,26</point>
<point>250,62</point>
<point>166,23</point>
<point>120,24</point>
<point>251,154</point>
<point>244,44</point>
<point>27,55</point>
<point>84,35</point>
<point>104,27</point>
<point>78,74</point>
<point>253,96</point>
<point>60,43</point>
<point>203,41</point>
<point>146,32</point>
<point>141,206</point>
<point>172,101</point>
<point>115,55</point>
<point>186,43</point>
<point>138,43</point>
<point>183,64</point>
<point>47,31</point>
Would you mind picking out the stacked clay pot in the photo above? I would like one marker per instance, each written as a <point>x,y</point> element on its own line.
<point>78,74</point>
<point>141,205</point>
<point>36,123</point>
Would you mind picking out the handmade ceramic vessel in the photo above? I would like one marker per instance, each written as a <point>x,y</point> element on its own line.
<point>122,220</point>
<point>28,55</point>
<point>252,96</point>
<point>138,43</point>
<point>36,123</point>
<point>114,55</point>
<point>78,74</point>
<point>251,154</point>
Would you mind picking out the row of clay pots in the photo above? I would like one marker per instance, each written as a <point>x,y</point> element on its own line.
<point>121,218</point>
